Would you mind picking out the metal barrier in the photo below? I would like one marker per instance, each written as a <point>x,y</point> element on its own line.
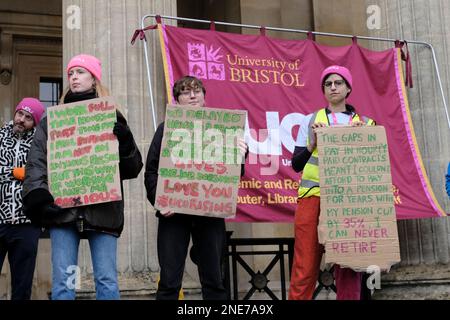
<point>258,280</point>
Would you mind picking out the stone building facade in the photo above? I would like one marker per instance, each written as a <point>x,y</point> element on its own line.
<point>36,42</point>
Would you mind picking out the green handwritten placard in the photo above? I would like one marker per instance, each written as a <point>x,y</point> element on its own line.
<point>83,157</point>
<point>200,163</point>
<point>357,223</point>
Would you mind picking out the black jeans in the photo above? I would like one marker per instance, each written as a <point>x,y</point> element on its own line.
<point>208,237</point>
<point>21,243</point>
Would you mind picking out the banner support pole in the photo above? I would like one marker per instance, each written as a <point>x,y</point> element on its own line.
<point>327,34</point>
<point>149,77</point>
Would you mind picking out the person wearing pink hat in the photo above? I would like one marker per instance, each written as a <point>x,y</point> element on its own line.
<point>336,83</point>
<point>100,223</point>
<point>18,237</point>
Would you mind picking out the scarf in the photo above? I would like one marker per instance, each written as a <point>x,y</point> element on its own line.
<point>75,97</point>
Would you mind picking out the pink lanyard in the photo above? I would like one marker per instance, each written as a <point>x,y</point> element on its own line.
<point>333,115</point>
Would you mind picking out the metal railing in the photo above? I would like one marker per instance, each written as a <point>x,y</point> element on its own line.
<point>326,34</point>
<point>259,280</point>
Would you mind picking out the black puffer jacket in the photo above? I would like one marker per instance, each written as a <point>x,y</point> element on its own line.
<point>104,217</point>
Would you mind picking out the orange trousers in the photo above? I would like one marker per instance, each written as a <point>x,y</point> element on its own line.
<point>308,254</point>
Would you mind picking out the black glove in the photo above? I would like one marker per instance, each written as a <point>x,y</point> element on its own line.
<point>122,132</point>
<point>125,137</point>
<point>51,211</point>
<point>34,204</point>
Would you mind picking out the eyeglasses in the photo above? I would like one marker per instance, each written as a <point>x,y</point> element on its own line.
<point>337,83</point>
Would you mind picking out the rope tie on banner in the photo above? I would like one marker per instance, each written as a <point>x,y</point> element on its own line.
<point>407,58</point>
<point>354,40</point>
<point>141,32</point>
<point>408,67</point>
<point>262,31</point>
<point>311,36</point>
<point>212,26</point>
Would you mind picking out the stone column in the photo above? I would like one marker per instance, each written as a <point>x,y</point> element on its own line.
<point>424,243</point>
<point>105,31</point>
<point>423,272</point>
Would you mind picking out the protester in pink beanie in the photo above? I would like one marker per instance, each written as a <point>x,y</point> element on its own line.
<point>101,223</point>
<point>33,106</point>
<point>19,238</point>
<point>336,84</point>
<point>90,63</point>
<point>340,70</point>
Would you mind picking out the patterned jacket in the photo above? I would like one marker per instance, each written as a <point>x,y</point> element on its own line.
<point>13,153</point>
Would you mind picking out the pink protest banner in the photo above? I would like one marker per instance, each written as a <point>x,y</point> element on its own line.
<point>277,82</point>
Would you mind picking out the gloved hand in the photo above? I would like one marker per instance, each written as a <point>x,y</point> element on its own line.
<point>122,132</point>
<point>51,211</point>
<point>19,173</point>
<point>35,203</point>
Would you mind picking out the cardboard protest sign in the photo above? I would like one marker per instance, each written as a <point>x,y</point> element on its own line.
<point>83,156</point>
<point>200,164</point>
<point>357,223</point>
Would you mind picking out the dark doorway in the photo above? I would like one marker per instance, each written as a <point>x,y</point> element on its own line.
<point>229,11</point>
